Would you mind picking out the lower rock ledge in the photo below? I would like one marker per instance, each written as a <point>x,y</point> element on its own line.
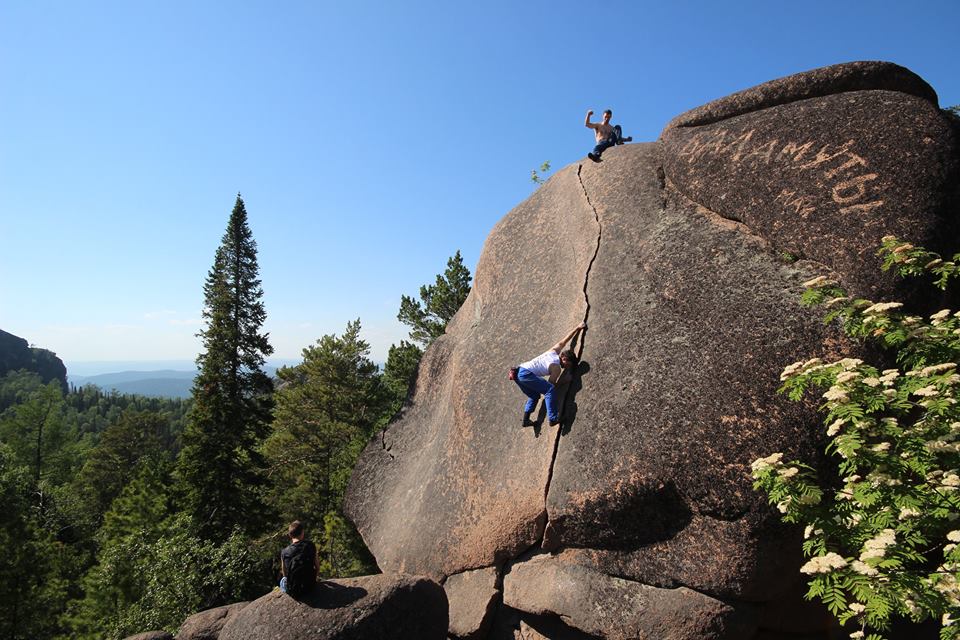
<point>379,607</point>
<point>473,597</point>
<point>608,607</point>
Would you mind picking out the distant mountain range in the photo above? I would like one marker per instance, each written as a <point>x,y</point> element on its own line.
<point>165,383</point>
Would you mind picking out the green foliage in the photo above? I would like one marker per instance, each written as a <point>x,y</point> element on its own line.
<point>39,436</point>
<point>400,370</point>
<point>147,581</point>
<point>114,461</point>
<point>92,410</point>
<point>440,302</point>
<point>327,408</point>
<point>220,467</point>
<point>883,538</point>
<point>50,520</point>
<point>32,587</point>
<point>17,386</point>
<point>538,177</point>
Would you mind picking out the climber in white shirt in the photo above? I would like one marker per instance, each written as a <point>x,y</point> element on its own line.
<point>550,364</point>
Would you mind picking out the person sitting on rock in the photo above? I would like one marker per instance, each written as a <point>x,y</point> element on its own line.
<point>606,135</point>
<point>551,363</point>
<point>298,563</point>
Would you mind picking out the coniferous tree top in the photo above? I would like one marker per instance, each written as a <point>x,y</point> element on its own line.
<point>441,301</point>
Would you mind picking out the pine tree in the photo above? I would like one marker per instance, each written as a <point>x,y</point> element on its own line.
<point>441,301</point>
<point>220,468</point>
<point>400,369</point>
<point>327,409</point>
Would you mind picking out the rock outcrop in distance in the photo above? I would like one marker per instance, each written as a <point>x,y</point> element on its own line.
<point>636,516</point>
<point>16,354</point>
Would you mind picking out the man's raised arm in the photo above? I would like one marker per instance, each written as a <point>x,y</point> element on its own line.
<point>586,121</point>
<point>560,345</point>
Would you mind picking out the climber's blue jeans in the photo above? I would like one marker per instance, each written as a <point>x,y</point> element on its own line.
<point>609,142</point>
<point>534,387</point>
<point>283,584</point>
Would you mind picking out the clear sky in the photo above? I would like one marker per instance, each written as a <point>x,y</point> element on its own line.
<point>370,140</point>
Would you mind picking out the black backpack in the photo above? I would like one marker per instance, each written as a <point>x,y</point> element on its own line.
<point>298,562</point>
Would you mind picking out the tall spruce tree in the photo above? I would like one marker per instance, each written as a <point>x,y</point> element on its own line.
<point>220,468</point>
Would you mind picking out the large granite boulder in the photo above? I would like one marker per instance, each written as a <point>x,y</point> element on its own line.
<point>208,624</point>
<point>619,609</point>
<point>151,635</point>
<point>827,176</point>
<point>380,607</point>
<point>686,256</point>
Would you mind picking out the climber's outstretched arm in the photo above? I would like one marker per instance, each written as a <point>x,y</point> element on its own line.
<point>560,345</point>
<point>587,123</point>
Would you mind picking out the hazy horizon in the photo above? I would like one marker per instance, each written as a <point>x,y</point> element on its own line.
<point>88,368</point>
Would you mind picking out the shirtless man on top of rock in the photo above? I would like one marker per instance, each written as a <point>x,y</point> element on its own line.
<point>606,134</point>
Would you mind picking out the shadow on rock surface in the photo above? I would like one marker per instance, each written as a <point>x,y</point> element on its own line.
<point>570,403</point>
<point>330,595</point>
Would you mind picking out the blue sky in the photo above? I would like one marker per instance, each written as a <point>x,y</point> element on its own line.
<point>370,140</point>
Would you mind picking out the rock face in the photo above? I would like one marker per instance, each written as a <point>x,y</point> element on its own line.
<point>151,635</point>
<point>380,607</point>
<point>472,596</point>
<point>602,605</point>
<point>207,625</point>
<point>825,178</point>
<point>686,256</point>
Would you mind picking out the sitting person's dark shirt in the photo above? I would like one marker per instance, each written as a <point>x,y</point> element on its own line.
<point>300,566</point>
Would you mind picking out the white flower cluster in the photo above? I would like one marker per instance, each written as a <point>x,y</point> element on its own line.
<point>876,547</point>
<point>835,394</point>
<point>810,531</point>
<point>801,366</point>
<point>939,316</point>
<point>824,564</point>
<point>950,481</point>
<point>847,376</point>
<point>947,443</point>
<point>908,512</point>
<point>819,281</point>
<point>761,464</point>
<point>937,368</point>
<point>864,569</point>
<point>881,307</point>
<point>834,428</point>
<point>946,583</point>
<point>900,248</point>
